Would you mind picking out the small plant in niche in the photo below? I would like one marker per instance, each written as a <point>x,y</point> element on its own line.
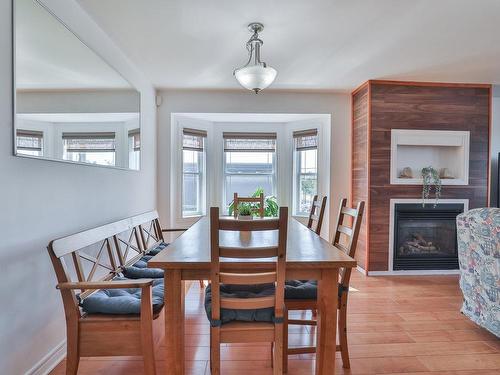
<point>430,177</point>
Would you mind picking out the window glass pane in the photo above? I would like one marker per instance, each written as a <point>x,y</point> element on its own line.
<point>192,182</point>
<point>190,195</point>
<point>192,142</point>
<point>29,142</point>
<point>307,190</point>
<point>308,162</point>
<point>249,145</point>
<point>90,144</point>
<point>101,158</point>
<point>191,161</point>
<point>134,153</point>
<point>306,180</point>
<point>246,185</point>
<point>249,162</point>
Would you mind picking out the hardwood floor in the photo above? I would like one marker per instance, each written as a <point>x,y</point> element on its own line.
<point>397,325</point>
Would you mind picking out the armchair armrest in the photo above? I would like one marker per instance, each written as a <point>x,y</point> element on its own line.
<point>119,284</point>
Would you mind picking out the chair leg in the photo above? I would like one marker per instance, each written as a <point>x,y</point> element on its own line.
<point>285,341</point>
<point>215,350</point>
<point>148,352</point>
<point>344,350</point>
<point>278,354</point>
<point>72,350</point>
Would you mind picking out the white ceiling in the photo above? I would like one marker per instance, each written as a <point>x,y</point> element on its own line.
<point>314,44</point>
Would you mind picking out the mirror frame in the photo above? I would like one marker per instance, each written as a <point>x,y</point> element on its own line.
<point>14,94</point>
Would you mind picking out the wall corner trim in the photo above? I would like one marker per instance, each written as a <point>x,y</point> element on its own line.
<point>49,361</point>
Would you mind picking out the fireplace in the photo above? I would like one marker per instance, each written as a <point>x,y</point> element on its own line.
<point>425,237</point>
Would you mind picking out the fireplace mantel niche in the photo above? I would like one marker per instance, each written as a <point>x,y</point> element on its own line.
<point>381,107</point>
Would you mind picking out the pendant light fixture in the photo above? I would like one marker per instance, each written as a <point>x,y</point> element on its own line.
<point>255,75</point>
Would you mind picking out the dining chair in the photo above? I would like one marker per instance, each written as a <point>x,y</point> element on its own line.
<point>302,294</point>
<point>248,306</point>
<point>260,200</point>
<point>316,214</point>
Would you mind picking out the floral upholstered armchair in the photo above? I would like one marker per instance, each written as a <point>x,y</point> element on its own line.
<point>479,258</point>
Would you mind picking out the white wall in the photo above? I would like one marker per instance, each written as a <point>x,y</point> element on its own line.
<point>43,200</point>
<point>200,101</point>
<point>495,145</point>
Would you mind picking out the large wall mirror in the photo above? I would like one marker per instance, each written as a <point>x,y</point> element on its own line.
<point>70,104</point>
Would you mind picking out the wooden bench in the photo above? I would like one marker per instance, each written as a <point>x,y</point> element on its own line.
<point>97,256</point>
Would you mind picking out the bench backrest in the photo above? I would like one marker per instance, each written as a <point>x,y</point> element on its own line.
<point>100,253</point>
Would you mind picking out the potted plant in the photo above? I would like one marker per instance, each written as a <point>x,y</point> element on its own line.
<point>271,207</point>
<point>245,212</point>
<point>430,177</point>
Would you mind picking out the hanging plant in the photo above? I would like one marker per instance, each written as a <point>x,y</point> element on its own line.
<point>430,178</point>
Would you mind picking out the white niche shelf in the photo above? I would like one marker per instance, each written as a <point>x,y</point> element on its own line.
<point>440,149</point>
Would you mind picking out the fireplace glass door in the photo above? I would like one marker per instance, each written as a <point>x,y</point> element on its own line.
<point>426,237</point>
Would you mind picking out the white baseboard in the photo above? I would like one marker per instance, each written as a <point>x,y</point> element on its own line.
<point>50,361</point>
<point>361,270</point>
<point>414,273</point>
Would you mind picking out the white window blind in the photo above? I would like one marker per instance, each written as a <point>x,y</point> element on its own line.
<point>29,140</point>
<point>306,139</point>
<point>135,134</point>
<point>249,142</point>
<point>89,142</point>
<point>192,139</point>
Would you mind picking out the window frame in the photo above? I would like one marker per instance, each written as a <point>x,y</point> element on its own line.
<point>225,174</point>
<point>274,162</point>
<point>202,185</point>
<point>297,161</point>
<point>89,136</point>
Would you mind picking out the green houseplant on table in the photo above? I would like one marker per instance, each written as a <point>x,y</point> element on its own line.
<point>270,205</point>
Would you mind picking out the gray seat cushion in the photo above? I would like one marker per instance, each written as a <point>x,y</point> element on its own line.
<point>158,248</point>
<point>241,291</point>
<point>301,289</point>
<point>122,301</point>
<point>140,270</point>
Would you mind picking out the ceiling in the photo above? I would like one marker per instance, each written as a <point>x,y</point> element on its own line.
<point>314,44</point>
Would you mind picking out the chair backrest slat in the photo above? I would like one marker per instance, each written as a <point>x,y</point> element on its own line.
<point>247,278</point>
<point>316,214</point>
<point>250,278</point>
<point>244,252</point>
<point>248,225</point>
<point>237,200</point>
<point>348,244</point>
<point>247,303</point>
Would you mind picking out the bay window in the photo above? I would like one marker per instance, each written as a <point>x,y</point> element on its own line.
<point>29,142</point>
<point>249,164</point>
<point>305,159</point>
<point>193,172</point>
<point>94,148</point>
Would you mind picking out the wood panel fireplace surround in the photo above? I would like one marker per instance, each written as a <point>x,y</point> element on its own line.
<point>409,125</point>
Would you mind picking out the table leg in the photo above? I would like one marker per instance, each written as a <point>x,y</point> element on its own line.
<point>174,323</point>
<point>326,334</point>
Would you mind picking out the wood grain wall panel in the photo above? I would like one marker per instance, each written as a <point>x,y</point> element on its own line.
<point>359,166</point>
<point>395,105</point>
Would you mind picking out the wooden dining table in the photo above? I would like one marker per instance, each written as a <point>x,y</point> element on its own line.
<point>309,257</point>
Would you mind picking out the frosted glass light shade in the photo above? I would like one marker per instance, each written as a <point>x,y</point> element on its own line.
<point>255,77</point>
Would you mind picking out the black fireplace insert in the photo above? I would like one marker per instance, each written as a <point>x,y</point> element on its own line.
<point>425,237</point>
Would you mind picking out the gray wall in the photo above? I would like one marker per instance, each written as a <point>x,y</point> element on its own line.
<point>240,101</point>
<point>43,200</point>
